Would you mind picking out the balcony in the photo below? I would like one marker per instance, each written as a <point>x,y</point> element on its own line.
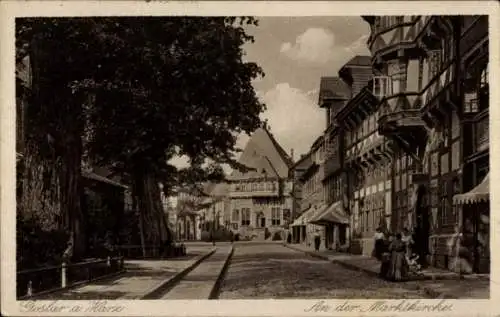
<point>400,116</point>
<point>255,190</point>
<point>393,36</point>
<point>331,165</point>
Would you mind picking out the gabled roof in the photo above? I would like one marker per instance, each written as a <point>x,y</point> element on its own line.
<point>333,87</point>
<point>265,156</point>
<point>359,60</point>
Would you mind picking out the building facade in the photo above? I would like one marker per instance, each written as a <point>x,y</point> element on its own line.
<point>312,200</point>
<point>260,199</point>
<point>431,80</point>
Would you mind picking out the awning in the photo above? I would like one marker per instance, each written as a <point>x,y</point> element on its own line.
<point>302,219</point>
<point>480,193</point>
<point>298,222</point>
<point>332,214</point>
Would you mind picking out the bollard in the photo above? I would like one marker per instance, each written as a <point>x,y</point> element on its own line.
<point>63,275</point>
<point>29,291</point>
<point>108,261</point>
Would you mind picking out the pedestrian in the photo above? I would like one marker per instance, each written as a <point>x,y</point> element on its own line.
<point>379,243</point>
<point>385,257</point>
<point>317,240</point>
<point>398,266</point>
<point>407,239</point>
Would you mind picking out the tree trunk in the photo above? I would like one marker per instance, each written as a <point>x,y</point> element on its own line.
<point>147,191</point>
<point>141,224</point>
<point>39,196</point>
<point>71,181</point>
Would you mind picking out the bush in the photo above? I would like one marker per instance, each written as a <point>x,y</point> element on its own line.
<point>277,236</point>
<point>218,235</point>
<point>37,247</point>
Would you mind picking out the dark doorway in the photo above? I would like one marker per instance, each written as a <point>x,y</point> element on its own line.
<point>263,222</point>
<point>422,230</point>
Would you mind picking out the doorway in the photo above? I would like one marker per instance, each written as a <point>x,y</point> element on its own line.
<point>422,229</point>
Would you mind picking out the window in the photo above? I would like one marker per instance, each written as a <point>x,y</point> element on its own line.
<point>382,86</point>
<point>471,103</point>
<point>434,63</point>
<point>286,215</point>
<point>276,216</point>
<point>484,78</point>
<point>245,216</point>
<point>236,215</point>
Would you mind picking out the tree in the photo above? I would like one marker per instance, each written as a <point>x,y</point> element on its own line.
<point>192,101</point>
<point>139,91</point>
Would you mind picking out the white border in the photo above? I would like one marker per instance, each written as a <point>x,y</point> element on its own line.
<point>11,9</point>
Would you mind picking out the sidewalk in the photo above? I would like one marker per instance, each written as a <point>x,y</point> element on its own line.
<point>201,282</point>
<point>141,277</point>
<point>435,282</point>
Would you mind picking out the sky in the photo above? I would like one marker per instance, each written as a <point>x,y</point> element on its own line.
<point>295,52</point>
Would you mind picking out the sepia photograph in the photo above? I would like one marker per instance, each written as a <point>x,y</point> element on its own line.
<point>334,157</point>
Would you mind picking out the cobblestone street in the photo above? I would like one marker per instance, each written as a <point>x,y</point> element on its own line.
<point>272,271</point>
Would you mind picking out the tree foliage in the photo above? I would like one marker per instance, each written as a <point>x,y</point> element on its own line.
<point>134,92</point>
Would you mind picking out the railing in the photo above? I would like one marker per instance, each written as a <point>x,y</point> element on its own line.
<point>36,281</point>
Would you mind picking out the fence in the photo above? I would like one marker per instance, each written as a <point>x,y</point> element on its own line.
<point>37,281</point>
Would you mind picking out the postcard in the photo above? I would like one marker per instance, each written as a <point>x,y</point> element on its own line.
<point>251,158</point>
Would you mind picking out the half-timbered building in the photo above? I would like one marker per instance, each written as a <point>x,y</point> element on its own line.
<point>261,198</point>
<point>433,106</point>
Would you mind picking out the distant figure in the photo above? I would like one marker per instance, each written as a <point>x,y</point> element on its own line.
<point>317,240</point>
<point>379,243</point>
<point>212,238</point>
<point>407,239</point>
<point>289,238</point>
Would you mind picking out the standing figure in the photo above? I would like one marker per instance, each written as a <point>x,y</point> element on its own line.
<point>407,239</point>
<point>398,265</point>
<point>317,241</point>
<point>379,243</point>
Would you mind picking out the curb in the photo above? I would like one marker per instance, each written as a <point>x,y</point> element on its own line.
<point>158,290</point>
<point>214,293</point>
<point>72,286</point>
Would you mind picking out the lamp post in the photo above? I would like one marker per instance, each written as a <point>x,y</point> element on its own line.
<point>213,225</point>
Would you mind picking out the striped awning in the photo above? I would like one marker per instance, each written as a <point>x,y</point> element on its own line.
<point>480,193</point>
<point>330,215</point>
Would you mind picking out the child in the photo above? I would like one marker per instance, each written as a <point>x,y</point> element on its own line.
<point>413,263</point>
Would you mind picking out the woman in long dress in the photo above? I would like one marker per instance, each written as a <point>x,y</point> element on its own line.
<point>398,265</point>
<point>379,243</point>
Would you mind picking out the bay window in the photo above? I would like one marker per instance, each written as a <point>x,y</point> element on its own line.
<point>382,86</point>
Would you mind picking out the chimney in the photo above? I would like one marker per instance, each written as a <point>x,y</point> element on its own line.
<point>291,154</point>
